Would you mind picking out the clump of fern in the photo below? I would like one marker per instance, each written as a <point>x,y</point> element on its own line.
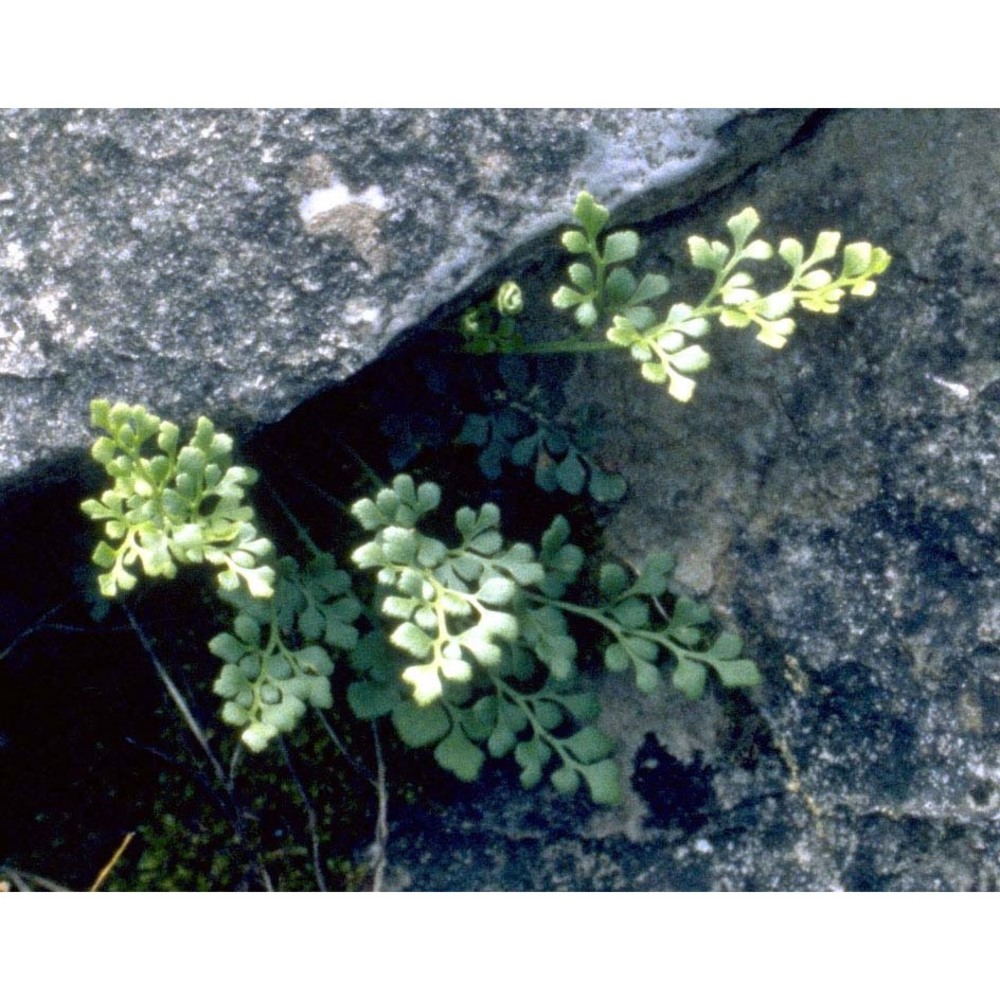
<point>489,655</point>
<point>478,655</point>
<point>469,642</point>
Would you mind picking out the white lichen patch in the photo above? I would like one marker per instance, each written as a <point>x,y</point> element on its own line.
<point>320,202</point>
<point>47,305</point>
<point>332,210</point>
<point>361,312</point>
<point>963,392</point>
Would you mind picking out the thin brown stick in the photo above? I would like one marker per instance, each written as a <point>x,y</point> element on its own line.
<point>103,874</point>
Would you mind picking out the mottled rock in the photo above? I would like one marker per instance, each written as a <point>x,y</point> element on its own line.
<point>838,503</point>
<point>237,262</point>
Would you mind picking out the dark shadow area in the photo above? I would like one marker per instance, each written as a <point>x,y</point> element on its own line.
<point>91,744</point>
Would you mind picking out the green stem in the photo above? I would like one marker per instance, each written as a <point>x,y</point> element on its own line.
<point>571,345</point>
<point>599,279</point>
<point>524,702</point>
<point>621,635</point>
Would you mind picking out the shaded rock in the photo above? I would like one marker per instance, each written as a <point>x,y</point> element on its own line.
<point>237,262</point>
<point>838,504</point>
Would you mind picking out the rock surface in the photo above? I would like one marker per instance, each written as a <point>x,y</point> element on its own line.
<point>237,262</point>
<point>839,501</point>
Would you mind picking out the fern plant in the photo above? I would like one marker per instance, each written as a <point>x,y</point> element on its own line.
<point>278,656</point>
<point>470,644</point>
<point>478,657</point>
<point>490,656</point>
<point>491,326</point>
<point>519,433</point>
<point>602,284</point>
<point>669,350</point>
<point>170,506</point>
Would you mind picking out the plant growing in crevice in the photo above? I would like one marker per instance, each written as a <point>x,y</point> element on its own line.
<point>602,285</point>
<point>490,656</point>
<point>669,350</point>
<point>481,653</point>
<point>278,655</point>
<point>468,642</point>
<point>176,507</point>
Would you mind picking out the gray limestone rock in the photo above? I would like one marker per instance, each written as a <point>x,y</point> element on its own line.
<point>838,504</point>
<point>235,263</point>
